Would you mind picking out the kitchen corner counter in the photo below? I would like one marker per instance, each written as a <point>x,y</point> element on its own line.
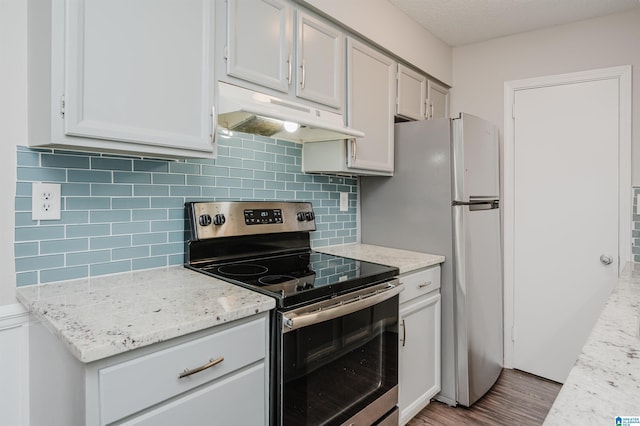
<point>103,316</point>
<point>605,381</point>
<point>404,260</point>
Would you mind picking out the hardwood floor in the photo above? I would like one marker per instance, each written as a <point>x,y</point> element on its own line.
<point>517,398</point>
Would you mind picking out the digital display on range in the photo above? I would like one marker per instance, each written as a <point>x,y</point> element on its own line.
<point>262,216</point>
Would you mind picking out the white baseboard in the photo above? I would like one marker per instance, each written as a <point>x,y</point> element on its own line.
<point>14,370</point>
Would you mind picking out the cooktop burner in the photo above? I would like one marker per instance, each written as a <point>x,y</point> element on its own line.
<point>265,246</point>
<point>300,277</point>
<point>277,279</point>
<point>246,270</point>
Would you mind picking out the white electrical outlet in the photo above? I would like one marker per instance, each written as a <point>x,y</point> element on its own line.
<point>344,201</point>
<point>45,201</point>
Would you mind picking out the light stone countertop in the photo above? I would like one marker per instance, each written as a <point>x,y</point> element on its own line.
<point>103,316</point>
<point>404,260</point>
<point>605,381</point>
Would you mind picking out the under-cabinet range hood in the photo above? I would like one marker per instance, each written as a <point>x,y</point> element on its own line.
<point>248,111</point>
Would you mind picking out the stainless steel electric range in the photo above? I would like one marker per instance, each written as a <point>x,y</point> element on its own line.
<point>334,340</point>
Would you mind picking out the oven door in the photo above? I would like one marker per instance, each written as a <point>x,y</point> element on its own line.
<point>339,359</point>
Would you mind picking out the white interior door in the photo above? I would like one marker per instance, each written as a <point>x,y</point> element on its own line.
<point>566,150</point>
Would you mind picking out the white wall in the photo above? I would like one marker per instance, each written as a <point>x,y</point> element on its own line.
<point>13,129</point>
<point>480,70</point>
<point>387,26</point>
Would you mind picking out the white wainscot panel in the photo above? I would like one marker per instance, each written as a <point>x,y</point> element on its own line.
<point>14,366</point>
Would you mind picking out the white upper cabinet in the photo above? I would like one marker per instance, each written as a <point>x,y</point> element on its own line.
<point>320,62</point>
<point>371,103</point>
<point>437,100</point>
<point>259,42</point>
<point>420,98</point>
<point>265,48</point>
<point>122,76</point>
<point>412,94</point>
<point>371,94</point>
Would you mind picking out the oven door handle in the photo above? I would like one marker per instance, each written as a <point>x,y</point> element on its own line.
<point>340,306</point>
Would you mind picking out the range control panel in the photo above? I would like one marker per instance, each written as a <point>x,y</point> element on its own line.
<point>262,216</point>
<point>233,218</point>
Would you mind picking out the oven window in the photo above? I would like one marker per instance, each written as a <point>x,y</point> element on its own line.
<point>334,369</point>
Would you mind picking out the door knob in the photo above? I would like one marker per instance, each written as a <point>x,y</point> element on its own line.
<point>606,260</point>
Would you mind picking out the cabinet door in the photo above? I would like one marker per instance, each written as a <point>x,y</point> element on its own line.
<point>419,364</point>
<point>371,105</point>
<point>438,99</point>
<point>412,94</point>
<point>259,42</point>
<point>240,399</point>
<point>320,63</point>
<point>140,71</point>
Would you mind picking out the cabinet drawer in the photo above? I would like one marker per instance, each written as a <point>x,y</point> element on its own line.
<point>133,385</point>
<point>216,404</point>
<point>419,283</point>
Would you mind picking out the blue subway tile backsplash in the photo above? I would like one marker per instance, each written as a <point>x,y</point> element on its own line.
<point>122,213</point>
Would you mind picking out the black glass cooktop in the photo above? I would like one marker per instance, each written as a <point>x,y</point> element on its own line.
<point>300,278</point>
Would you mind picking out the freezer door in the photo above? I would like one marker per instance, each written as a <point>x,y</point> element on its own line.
<point>478,300</point>
<point>475,158</point>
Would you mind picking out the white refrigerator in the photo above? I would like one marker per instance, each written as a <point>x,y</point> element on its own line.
<point>444,199</point>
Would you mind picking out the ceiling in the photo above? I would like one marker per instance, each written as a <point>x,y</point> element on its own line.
<point>459,22</point>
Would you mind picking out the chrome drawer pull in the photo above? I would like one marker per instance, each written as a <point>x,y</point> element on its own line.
<point>210,364</point>
<point>423,285</point>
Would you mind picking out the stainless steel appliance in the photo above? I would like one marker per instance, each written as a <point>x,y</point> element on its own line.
<point>443,198</point>
<point>334,344</point>
<point>247,111</point>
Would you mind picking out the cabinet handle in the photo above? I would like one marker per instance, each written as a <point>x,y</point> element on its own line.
<point>304,75</point>
<point>354,148</point>
<point>214,124</point>
<point>404,333</point>
<point>423,285</point>
<point>289,70</point>
<point>210,364</point>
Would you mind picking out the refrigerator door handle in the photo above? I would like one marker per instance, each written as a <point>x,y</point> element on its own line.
<point>479,204</point>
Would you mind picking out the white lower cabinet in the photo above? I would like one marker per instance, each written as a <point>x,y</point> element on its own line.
<point>419,360</point>
<point>214,404</point>
<point>229,383</point>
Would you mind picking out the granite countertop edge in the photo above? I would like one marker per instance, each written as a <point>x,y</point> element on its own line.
<point>99,317</point>
<point>604,383</point>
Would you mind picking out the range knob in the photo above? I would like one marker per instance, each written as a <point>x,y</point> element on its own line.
<point>219,219</point>
<point>301,216</point>
<point>204,220</point>
<point>309,216</point>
